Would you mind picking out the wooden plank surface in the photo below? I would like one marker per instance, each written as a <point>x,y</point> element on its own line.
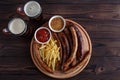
<point>100,18</point>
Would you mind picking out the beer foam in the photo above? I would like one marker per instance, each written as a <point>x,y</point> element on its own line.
<point>17,26</point>
<point>32,9</point>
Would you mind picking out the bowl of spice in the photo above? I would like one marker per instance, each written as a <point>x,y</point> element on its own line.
<point>42,35</point>
<point>57,23</point>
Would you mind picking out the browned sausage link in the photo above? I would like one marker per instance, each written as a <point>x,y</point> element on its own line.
<point>80,44</point>
<point>69,39</point>
<point>74,49</point>
<point>64,51</point>
<point>67,47</point>
<point>80,53</point>
<point>35,48</point>
<point>84,55</point>
<point>80,64</point>
<point>68,33</point>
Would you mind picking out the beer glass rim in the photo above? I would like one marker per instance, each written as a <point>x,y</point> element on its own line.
<point>23,22</point>
<point>38,13</point>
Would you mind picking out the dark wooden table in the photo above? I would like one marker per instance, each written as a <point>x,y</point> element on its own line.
<point>100,18</point>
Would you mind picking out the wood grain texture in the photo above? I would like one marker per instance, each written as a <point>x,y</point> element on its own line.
<point>100,18</point>
<point>83,1</point>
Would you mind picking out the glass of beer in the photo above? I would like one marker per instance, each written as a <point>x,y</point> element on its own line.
<point>18,27</point>
<point>31,9</point>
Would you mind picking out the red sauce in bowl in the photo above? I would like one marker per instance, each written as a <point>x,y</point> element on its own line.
<point>43,35</point>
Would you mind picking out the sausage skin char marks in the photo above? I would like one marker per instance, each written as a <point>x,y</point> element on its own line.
<point>74,49</point>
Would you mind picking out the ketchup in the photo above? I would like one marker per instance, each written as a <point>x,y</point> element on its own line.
<point>43,35</point>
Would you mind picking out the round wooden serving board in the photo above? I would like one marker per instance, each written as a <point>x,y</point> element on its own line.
<point>77,70</point>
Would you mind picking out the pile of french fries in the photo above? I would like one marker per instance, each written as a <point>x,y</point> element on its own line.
<point>50,53</point>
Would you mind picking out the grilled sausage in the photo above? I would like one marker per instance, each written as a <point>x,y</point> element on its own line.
<point>68,35</point>
<point>84,52</point>
<point>63,50</point>
<point>80,44</point>
<point>80,64</point>
<point>35,48</point>
<point>74,49</point>
<point>65,47</point>
<point>84,43</point>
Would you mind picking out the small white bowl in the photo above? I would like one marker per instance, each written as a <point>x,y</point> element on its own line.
<point>38,30</point>
<point>57,16</point>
